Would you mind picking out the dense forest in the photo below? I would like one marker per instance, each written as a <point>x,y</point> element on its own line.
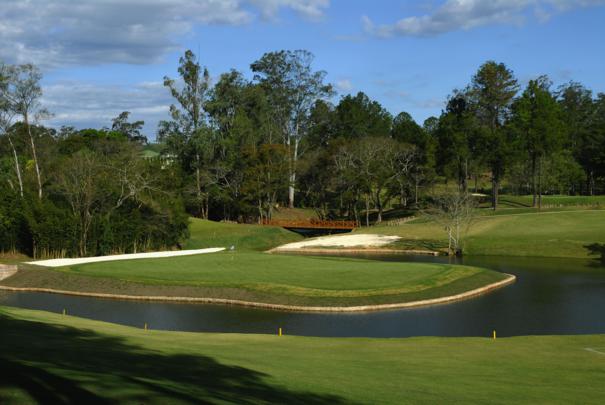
<point>239,148</point>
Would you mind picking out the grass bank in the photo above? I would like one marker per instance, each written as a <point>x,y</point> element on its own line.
<point>208,234</point>
<point>271,279</point>
<point>547,234</point>
<point>60,359</point>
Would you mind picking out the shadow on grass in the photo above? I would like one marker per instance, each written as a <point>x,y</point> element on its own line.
<point>597,249</point>
<point>65,365</point>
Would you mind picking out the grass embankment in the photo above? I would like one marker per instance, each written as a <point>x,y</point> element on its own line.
<point>208,234</point>
<point>546,234</point>
<point>60,359</point>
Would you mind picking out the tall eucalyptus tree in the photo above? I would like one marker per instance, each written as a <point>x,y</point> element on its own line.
<point>293,88</point>
<point>23,96</point>
<point>186,134</point>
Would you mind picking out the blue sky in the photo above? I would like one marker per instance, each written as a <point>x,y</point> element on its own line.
<point>106,56</point>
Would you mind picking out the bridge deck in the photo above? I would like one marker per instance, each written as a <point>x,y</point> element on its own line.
<point>311,224</point>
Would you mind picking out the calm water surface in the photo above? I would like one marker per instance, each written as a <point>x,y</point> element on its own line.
<point>551,296</point>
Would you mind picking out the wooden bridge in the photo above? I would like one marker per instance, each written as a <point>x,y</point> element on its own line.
<point>313,226</point>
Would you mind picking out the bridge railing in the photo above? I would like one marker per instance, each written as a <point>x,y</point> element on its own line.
<point>311,223</point>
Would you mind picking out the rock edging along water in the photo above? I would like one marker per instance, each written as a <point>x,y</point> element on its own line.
<point>295,308</point>
<point>322,251</point>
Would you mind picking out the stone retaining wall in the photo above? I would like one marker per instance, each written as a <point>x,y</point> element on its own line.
<point>6,271</point>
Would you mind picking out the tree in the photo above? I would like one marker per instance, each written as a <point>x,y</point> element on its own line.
<point>321,125</point>
<point>131,130</point>
<point>492,89</point>
<point>23,95</point>
<point>581,119</point>
<point>537,119</point>
<point>292,87</point>
<point>186,135</point>
<point>372,166</point>
<point>358,117</point>
<point>455,211</point>
<point>458,138</point>
<point>7,114</point>
<point>265,176</point>
<point>593,146</point>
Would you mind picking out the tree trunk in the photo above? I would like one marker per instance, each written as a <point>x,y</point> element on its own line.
<point>379,206</point>
<point>465,182</point>
<point>495,187</point>
<point>367,210</point>
<point>539,184</point>
<point>416,193</point>
<point>17,166</point>
<point>34,154</point>
<point>533,180</point>
<point>198,185</point>
<point>292,185</point>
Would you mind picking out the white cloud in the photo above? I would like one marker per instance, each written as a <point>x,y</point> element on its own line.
<point>310,9</point>
<point>455,15</point>
<point>65,32</point>
<point>344,85</point>
<point>85,105</point>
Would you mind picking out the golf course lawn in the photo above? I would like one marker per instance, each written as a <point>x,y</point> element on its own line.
<point>547,234</point>
<point>265,278</point>
<point>52,358</point>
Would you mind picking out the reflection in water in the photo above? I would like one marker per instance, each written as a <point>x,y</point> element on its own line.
<point>551,296</point>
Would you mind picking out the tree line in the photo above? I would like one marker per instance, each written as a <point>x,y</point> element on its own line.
<point>238,148</point>
<point>278,138</point>
<point>74,192</point>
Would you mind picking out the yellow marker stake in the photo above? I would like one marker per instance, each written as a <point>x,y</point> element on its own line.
<point>494,335</point>
<point>145,326</point>
<point>279,332</point>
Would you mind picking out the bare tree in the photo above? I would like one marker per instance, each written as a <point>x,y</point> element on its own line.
<point>455,211</point>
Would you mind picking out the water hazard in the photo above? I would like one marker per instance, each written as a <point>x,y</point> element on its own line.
<point>551,296</point>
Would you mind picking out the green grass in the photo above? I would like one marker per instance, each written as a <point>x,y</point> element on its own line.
<point>260,277</point>
<point>553,200</point>
<point>205,234</point>
<point>547,234</point>
<point>61,359</point>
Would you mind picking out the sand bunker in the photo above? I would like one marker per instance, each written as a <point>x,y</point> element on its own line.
<point>132,256</point>
<point>346,241</point>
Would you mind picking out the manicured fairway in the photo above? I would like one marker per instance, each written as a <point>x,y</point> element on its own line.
<point>547,234</point>
<point>59,359</point>
<point>261,277</point>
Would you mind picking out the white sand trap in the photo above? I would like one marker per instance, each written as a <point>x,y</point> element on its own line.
<point>132,256</point>
<point>347,241</point>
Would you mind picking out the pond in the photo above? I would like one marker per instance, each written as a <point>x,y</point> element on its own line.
<point>551,296</point>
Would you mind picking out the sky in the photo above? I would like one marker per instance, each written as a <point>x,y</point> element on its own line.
<point>102,57</point>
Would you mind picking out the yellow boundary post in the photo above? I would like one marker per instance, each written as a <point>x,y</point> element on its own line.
<point>494,335</point>
<point>279,333</point>
<point>145,326</point>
